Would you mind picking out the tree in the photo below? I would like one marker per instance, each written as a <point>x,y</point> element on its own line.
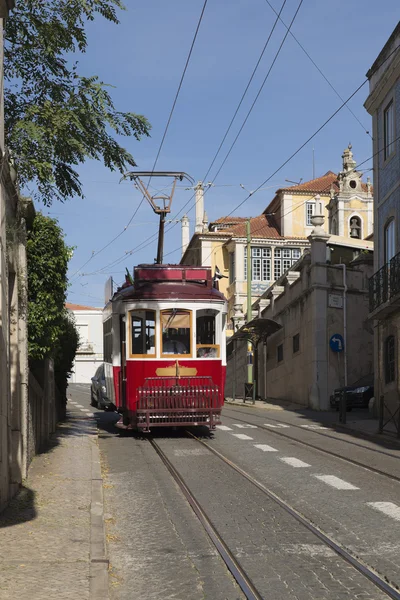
<point>56,118</point>
<point>47,257</point>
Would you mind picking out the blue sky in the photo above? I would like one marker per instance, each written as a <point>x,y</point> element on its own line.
<point>144,59</point>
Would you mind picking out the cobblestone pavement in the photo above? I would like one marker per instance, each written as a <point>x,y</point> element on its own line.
<point>158,550</point>
<point>156,546</point>
<point>281,556</point>
<point>358,508</point>
<point>45,531</point>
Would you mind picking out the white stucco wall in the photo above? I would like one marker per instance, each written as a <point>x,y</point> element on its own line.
<point>89,323</point>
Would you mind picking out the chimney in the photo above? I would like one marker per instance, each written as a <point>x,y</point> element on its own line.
<point>199,207</point>
<point>205,222</point>
<point>185,233</point>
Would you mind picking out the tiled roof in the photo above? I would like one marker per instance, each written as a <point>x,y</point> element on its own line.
<point>263,226</point>
<point>70,306</point>
<point>230,220</point>
<point>320,185</point>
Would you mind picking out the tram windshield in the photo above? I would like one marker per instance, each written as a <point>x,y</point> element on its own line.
<point>206,346</point>
<point>176,331</point>
<point>143,323</point>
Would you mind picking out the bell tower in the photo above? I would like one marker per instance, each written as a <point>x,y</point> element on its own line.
<point>351,205</point>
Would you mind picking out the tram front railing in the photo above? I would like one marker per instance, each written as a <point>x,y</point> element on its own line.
<point>170,401</point>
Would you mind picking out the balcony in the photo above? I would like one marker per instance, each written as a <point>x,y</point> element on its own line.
<point>384,289</point>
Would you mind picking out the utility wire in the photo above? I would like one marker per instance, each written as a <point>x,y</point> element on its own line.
<point>252,106</point>
<point>259,92</point>
<point>161,143</point>
<point>318,69</point>
<point>226,132</point>
<point>344,103</point>
<point>296,207</point>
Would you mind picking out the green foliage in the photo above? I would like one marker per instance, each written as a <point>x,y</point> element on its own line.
<point>56,118</point>
<point>48,257</point>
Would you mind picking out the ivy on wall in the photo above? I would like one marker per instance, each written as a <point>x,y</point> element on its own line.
<point>51,329</point>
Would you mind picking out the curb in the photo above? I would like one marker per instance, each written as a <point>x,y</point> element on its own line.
<point>373,437</point>
<point>98,589</point>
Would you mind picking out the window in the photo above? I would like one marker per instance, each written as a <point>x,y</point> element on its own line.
<point>310,210</point>
<point>143,333</point>
<point>388,130</point>
<point>284,258</point>
<point>389,359</point>
<point>260,264</point>
<point>296,343</point>
<point>176,331</point>
<point>107,340</point>
<point>279,353</point>
<point>389,241</point>
<point>205,335</point>
<point>83,331</point>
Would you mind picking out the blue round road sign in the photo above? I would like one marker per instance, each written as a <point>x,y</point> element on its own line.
<point>336,343</point>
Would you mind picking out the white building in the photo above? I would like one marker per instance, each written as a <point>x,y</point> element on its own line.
<point>89,323</point>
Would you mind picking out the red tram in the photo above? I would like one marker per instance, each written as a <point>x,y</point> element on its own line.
<point>164,348</point>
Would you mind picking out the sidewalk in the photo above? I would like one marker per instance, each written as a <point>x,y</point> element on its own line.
<point>52,544</point>
<point>359,422</point>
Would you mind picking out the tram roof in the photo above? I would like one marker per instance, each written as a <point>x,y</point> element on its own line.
<point>171,282</point>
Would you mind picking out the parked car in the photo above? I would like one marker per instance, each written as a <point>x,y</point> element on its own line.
<point>358,395</point>
<point>98,390</point>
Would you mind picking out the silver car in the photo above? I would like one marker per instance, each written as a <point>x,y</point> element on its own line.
<point>98,390</point>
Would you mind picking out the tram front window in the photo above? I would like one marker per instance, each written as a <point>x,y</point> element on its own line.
<point>205,335</point>
<point>143,323</point>
<point>176,331</point>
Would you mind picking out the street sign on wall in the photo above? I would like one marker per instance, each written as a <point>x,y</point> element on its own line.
<point>335,301</point>
<point>336,343</point>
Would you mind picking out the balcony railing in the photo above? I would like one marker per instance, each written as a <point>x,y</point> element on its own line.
<point>385,283</point>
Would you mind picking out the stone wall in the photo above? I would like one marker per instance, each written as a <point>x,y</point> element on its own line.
<point>299,302</point>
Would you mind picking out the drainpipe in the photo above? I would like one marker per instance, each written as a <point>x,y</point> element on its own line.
<point>344,320</point>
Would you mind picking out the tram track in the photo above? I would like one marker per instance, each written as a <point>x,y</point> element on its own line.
<point>323,450</point>
<point>242,579</point>
<point>340,550</point>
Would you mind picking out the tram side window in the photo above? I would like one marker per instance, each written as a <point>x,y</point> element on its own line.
<point>176,331</point>
<point>205,335</point>
<point>143,329</point>
<point>107,340</point>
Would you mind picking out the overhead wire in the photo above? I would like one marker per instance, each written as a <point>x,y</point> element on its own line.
<point>297,206</point>
<point>161,143</point>
<point>226,132</point>
<point>240,103</point>
<point>318,69</point>
<point>344,103</point>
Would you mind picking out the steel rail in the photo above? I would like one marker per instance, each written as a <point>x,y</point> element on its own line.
<point>324,450</point>
<point>335,546</point>
<point>332,437</point>
<point>242,579</point>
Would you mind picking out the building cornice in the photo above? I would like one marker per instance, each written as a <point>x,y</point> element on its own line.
<point>383,86</point>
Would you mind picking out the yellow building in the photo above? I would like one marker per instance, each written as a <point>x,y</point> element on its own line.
<point>279,236</point>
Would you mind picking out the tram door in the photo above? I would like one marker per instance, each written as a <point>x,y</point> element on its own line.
<point>122,333</point>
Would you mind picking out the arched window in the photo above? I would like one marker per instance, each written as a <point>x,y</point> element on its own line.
<point>389,241</point>
<point>355,227</point>
<point>389,359</point>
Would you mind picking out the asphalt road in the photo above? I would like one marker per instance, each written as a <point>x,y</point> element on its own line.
<point>157,548</point>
